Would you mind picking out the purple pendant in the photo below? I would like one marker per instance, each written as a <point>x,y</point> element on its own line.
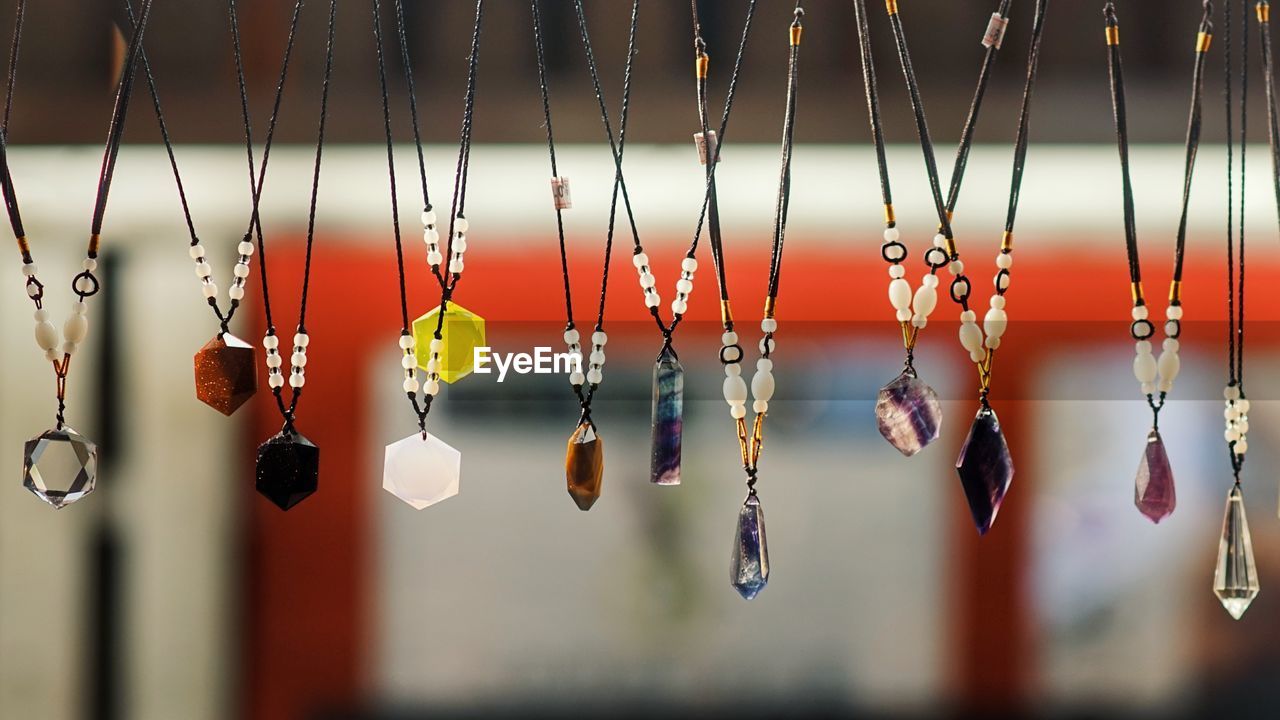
<point>668,419</point>
<point>1153,489</point>
<point>749,569</point>
<point>985,468</point>
<point>908,413</point>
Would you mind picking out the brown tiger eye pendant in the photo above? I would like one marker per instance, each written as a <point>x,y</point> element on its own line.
<point>584,465</point>
<point>226,374</point>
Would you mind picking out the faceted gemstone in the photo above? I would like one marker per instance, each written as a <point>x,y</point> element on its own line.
<point>288,469</point>
<point>60,466</point>
<point>462,332</point>
<point>226,373</point>
<point>908,413</point>
<point>749,568</point>
<point>421,470</point>
<point>985,468</point>
<point>1153,490</point>
<point>1235,580</point>
<point>584,465</point>
<point>668,419</point>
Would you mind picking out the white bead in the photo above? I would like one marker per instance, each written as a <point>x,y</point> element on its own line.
<point>647,280</point>
<point>408,362</point>
<point>762,385</point>
<point>459,245</point>
<point>1231,412</point>
<point>33,290</point>
<point>406,342</point>
<point>203,270</point>
<point>297,380</point>
<point>1243,405</point>
<point>571,337</point>
<point>210,289</point>
<point>75,328</point>
<point>431,236</point>
<point>995,322</point>
<point>640,260</point>
<point>956,267</point>
<point>1231,435</point>
<point>431,387</point>
<point>897,271</point>
<point>245,248</point>
<point>596,358</point>
<point>240,270</point>
<point>1170,345</point>
<point>1144,367</point>
<point>1241,446</point>
<point>925,301</point>
<point>594,376</point>
<point>1169,365</point>
<point>1231,392</point>
<point>1142,347</point>
<point>301,340</point>
<point>29,269</point>
<point>976,355</point>
<point>735,390</point>
<point>679,307</point>
<point>1242,426</point>
<point>903,315</point>
<point>738,411</point>
<point>764,365</point>
<point>919,321</point>
<point>970,336</point>
<point>1173,312</point>
<point>1140,312</point>
<point>969,316</point>
<point>891,234</point>
<point>997,301</point>
<point>1148,388</point>
<point>993,343</point>
<point>41,315</point>
<point>196,252</point>
<point>729,338</point>
<point>270,342</point>
<point>461,225</point>
<point>69,348</point>
<point>652,300</point>
<point>275,381</point>
<point>274,360</point>
<point>434,258</point>
<point>52,355</point>
<point>929,280</point>
<point>1004,261</point>
<point>298,359</point>
<point>236,292</point>
<point>577,378</point>
<point>46,335</point>
<point>411,385</point>
<point>733,369</point>
<point>760,406</point>
<point>689,265</point>
<point>429,217</point>
<point>684,286</point>
<point>940,240</point>
<point>455,266</point>
<point>433,364</point>
<point>900,294</point>
<point>599,338</point>
<point>769,325</point>
<point>1165,385</point>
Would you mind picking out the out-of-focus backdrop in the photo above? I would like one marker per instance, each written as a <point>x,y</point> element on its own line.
<point>175,591</point>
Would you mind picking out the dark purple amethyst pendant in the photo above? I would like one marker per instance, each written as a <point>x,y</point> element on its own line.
<point>985,468</point>
<point>908,413</point>
<point>1153,491</point>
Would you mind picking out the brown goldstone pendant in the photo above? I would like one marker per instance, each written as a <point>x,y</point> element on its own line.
<point>584,465</point>
<point>226,373</point>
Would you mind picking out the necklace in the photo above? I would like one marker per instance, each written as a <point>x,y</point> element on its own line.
<point>584,456</point>
<point>1154,492</point>
<point>1235,577</point>
<point>422,469</point>
<point>984,464</point>
<point>749,566</point>
<point>288,466</point>
<point>62,445</point>
<point>226,367</point>
<point>908,414</point>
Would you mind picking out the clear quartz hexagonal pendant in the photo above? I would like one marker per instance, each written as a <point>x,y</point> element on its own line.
<point>1235,579</point>
<point>60,466</point>
<point>421,470</point>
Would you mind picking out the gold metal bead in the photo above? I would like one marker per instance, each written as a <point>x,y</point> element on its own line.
<point>1203,41</point>
<point>1113,34</point>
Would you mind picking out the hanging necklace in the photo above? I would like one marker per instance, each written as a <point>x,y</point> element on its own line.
<point>62,445</point>
<point>288,467</point>
<point>984,464</point>
<point>668,386</point>
<point>908,414</point>
<point>749,564</point>
<point>1235,577</point>
<point>1154,493</point>
<point>226,367</point>
<point>422,469</point>
<point>584,456</point>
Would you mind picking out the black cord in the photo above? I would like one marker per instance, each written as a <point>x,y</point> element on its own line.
<point>971,120</point>
<point>1268,74</point>
<point>413,102</point>
<point>1022,139</point>
<point>1193,140</point>
<point>6,180</point>
<point>873,104</point>
<point>391,165</point>
<point>1116,71</point>
<point>714,236</point>
<point>783,206</point>
<point>551,152</point>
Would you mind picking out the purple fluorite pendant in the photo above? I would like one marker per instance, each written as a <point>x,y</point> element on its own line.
<point>908,413</point>
<point>668,419</point>
<point>985,468</point>
<point>749,568</point>
<point>1153,489</point>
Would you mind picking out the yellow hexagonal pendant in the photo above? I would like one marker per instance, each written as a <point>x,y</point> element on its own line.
<point>462,332</point>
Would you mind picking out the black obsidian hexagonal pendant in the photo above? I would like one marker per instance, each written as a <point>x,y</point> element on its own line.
<point>226,374</point>
<point>288,469</point>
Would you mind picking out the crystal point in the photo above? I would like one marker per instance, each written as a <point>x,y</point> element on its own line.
<point>668,419</point>
<point>1235,579</point>
<point>749,568</point>
<point>226,373</point>
<point>1153,490</point>
<point>288,468</point>
<point>60,466</point>
<point>421,470</point>
<point>584,465</point>
<point>985,468</point>
<point>908,413</point>
<point>462,331</point>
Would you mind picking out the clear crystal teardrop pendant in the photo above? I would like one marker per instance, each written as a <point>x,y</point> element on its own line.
<point>1235,579</point>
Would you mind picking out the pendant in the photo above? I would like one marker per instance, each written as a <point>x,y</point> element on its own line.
<point>584,465</point>
<point>1153,490</point>
<point>421,470</point>
<point>908,413</point>
<point>60,466</point>
<point>749,568</point>
<point>461,333</point>
<point>288,469</point>
<point>668,419</point>
<point>1235,579</point>
<point>985,468</point>
<point>226,373</point>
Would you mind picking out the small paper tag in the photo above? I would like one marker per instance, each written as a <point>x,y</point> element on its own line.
<point>560,193</point>
<point>706,145</point>
<point>995,31</point>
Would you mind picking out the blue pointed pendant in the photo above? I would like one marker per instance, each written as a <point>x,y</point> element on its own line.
<point>985,468</point>
<point>668,419</point>
<point>749,570</point>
